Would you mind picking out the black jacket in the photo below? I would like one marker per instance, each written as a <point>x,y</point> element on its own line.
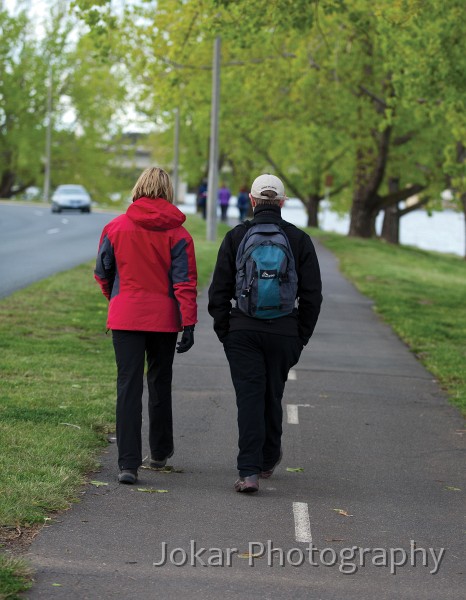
<point>222,289</point>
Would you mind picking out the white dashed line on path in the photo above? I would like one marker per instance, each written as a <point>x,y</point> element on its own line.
<point>292,375</point>
<point>53,230</point>
<point>302,524</point>
<point>292,413</point>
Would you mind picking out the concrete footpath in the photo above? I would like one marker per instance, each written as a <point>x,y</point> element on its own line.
<point>372,506</point>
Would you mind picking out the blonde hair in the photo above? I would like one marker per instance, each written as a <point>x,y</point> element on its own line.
<point>153,183</point>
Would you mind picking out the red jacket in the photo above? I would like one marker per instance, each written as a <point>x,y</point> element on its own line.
<point>146,267</point>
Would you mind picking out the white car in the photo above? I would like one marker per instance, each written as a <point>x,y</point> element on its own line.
<point>71,197</point>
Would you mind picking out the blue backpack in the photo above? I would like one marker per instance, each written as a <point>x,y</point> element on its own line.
<point>266,279</point>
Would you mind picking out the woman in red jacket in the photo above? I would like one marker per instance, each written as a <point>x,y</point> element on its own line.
<point>146,268</point>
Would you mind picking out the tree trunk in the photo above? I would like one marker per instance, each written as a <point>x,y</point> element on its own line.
<point>362,219</point>
<point>312,206</point>
<point>361,224</point>
<point>370,171</point>
<point>391,225</point>
<point>463,202</point>
<point>6,184</point>
<point>391,220</point>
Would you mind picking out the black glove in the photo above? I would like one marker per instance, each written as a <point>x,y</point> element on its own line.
<point>187,339</point>
<point>222,336</point>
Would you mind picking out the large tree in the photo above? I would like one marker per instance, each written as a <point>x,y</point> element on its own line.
<point>309,90</point>
<point>23,91</point>
<point>87,95</point>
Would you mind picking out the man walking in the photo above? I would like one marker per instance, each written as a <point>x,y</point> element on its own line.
<point>270,268</point>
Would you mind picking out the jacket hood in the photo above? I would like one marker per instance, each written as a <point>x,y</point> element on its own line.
<point>155,214</point>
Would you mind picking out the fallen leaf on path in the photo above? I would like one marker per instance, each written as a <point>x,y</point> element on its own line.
<point>295,469</point>
<point>152,491</point>
<point>451,488</point>
<point>342,512</point>
<point>98,483</point>
<point>334,539</point>
<point>249,555</point>
<point>163,469</point>
<point>56,584</point>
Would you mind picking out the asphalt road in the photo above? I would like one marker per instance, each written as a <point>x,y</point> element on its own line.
<point>34,243</point>
<point>380,481</point>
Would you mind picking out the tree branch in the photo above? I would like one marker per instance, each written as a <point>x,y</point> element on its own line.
<point>413,207</point>
<point>333,160</point>
<point>280,173</point>
<point>341,187</point>
<point>379,101</point>
<point>403,194</point>
<point>404,139</point>
<point>232,63</point>
<point>381,162</point>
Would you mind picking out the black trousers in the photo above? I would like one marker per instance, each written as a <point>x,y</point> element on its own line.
<point>131,348</point>
<point>259,365</point>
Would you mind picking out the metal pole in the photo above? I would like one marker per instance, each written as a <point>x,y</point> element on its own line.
<point>212,186</point>
<point>176,156</point>
<point>48,140</point>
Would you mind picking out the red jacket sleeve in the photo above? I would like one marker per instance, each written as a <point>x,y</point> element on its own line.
<point>184,276</point>
<point>105,266</point>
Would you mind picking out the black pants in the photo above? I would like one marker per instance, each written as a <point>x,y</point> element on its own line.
<point>223,212</point>
<point>259,365</point>
<point>130,351</point>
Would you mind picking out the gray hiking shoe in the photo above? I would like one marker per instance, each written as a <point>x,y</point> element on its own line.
<point>155,463</point>
<point>247,484</point>
<point>128,476</point>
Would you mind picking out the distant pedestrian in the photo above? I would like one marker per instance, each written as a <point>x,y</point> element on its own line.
<point>201,198</point>
<point>243,203</point>
<point>224,196</point>
<point>265,265</point>
<point>146,268</point>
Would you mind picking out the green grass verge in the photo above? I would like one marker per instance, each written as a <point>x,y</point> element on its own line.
<point>15,577</point>
<point>420,294</point>
<point>57,388</point>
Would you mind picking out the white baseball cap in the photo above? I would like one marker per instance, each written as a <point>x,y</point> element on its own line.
<point>267,182</point>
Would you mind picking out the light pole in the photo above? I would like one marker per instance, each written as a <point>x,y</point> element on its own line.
<point>48,139</point>
<point>212,186</point>
<point>176,156</point>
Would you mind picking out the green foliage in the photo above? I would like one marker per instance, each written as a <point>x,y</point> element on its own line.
<point>425,49</point>
<point>23,79</point>
<point>89,150</point>
<point>87,95</point>
<point>308,89</point>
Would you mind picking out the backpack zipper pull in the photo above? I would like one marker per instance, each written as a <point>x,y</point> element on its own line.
<point>247,291</point>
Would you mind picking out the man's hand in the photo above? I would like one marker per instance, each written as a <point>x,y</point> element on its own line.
<point>187,339</point>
